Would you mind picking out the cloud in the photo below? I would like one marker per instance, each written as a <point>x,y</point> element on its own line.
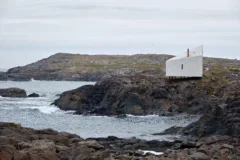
<point>113,27</point>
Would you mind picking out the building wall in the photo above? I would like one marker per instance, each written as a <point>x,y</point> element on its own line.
<point>192,67</point>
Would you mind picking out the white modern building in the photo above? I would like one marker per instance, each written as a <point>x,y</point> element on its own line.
<point>190,65</point>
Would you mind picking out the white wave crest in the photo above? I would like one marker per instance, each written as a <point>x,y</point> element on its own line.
<point>44,109</point>
<point>151,152</point>
<point>143,116</point>
<point>32,80</point>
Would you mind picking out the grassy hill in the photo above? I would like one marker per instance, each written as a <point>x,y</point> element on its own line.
<point>65,66</point>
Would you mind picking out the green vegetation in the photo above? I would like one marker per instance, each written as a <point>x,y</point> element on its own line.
<point>65,66</point>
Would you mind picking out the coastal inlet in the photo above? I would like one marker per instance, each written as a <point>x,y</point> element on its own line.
<point>39,114</point>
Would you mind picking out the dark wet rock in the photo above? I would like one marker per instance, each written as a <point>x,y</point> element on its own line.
<point>122,116</point>
<point>33,95</point>
<point>136,95</point>
<point>3,76</point>
<point>171,131</point>
<point>13,92</point>
<point>207,125</point>
<point>231,118</point>
<point>188,144</point>
<point>214,136</point>
<point>219,121</point>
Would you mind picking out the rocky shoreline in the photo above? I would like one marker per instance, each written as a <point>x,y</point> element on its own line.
<point>133,91</point>
<point>19,143</point>
<point>214,136</point>
<point>136,95</point>
<point>141,94</point>
<point>216,96</point>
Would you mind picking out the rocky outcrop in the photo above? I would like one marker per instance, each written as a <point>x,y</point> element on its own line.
<point>141,94</point>
<point>13,92</point>
<point>231,118</point>
<point>137,95</point>
<point>33,95</point>
<point>205,148</point>
<point>214,136</point>
<point>219,121</point>
<point>3,76</point>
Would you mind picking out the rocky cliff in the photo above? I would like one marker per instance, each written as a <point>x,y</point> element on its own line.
<point>141,94</point>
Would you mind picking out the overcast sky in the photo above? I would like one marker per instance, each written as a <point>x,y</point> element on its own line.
<point>34,29</point>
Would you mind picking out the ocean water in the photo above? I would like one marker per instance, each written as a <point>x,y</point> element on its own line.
<point>39,114</point>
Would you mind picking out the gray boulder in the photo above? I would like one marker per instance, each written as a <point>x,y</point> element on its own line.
<point>13,92</point>
<point>33,95</point>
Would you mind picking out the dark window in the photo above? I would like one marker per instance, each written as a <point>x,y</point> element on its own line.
<point>182,66</point>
